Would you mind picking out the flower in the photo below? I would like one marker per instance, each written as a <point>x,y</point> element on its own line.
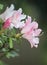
<point>13,18</point>
<point>8,13</point>
<point>29,29</point>
<point>31,32</point>
<point>16,19</point>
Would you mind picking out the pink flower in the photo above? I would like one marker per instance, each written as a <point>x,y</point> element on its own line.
<point>13,17</point>
<point>31,32</point>
<point>7,13</point>
<point>17,19</point>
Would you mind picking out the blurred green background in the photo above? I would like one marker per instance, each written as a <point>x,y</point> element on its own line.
<point>37,9</point>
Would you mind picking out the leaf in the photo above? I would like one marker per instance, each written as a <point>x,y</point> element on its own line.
<point>10,43</point>
<point>2,63</point>
<point>1,44</point>
<point>0,41</point>
<point>5,50</point>
<point>1,6</point>
<point>12,54</point>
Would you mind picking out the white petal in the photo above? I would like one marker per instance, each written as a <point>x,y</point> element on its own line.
<point>29,18</point>
<point>19,24</point>
<point>36,46</point>
<point>9,15</point>
<point>35,40</point>
<point>20,10</point>
<point>11,26</point>
<point>11,7</point>
<point>8,12</point>
<point>22,17</point>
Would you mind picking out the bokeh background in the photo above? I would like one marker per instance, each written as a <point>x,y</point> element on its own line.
<point>37,9</point>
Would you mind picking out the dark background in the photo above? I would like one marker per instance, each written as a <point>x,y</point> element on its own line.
<point>37,9</point>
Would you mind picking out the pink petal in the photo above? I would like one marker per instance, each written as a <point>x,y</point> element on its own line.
<point>34,25</point>
<point>27,25</point>
<point>26,29</point>
<point>34,42</point>
<point>6,24</point>
<point>28,21</point>
<point>37,32</point>
<point>16,14</point>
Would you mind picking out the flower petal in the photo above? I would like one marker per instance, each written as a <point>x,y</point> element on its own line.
<point>37,32</point>
<point>34,25</point>
<point>35,40</point>
<point>20,10</point>
<point>8,13</point>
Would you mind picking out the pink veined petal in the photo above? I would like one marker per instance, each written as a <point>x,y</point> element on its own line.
<point>29,18</point>
<point>30,41</point>
<point>17,13</point>
<point>20,15</point>
<point>34,42</point>
<point>26,29</point>
<point>37,32</point>
<point>34,25</point>
<point>6,24</point>
<point>29,38</point>
<point>27,25</point>
<point>28,21</point>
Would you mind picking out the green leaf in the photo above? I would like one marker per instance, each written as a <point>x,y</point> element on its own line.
<point>5,50</point>
<point>12,54</point>
<point>1,6</point>
<point>2,63</point>
<point>10,43</point>
<point>0,41</point>
<point>1,44</point>
<point>8,55</point>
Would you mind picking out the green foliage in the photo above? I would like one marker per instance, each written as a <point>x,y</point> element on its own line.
<point>10,43</point>
<point>1,6</point>
<point>2,63</point>
<point>12,54</point>
<point>7,38</point>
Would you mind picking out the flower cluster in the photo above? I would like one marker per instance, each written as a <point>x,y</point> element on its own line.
<point>15,19</point>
